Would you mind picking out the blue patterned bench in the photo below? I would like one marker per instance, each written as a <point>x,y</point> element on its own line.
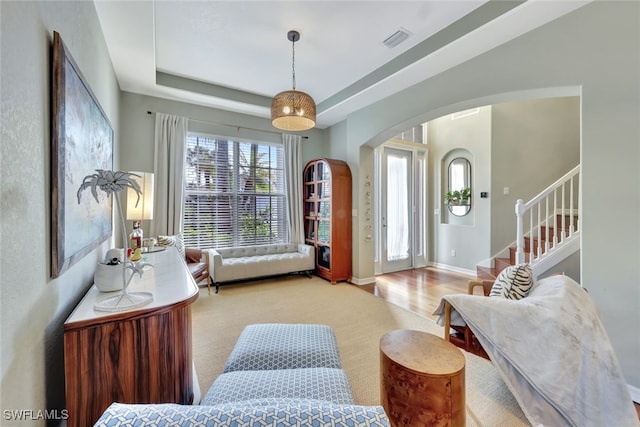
<point>328,384</point>
<point>274,413</point>
<point>277,375</point>
<point>271,346</point>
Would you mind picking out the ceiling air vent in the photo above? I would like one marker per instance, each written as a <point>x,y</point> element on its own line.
<point>396,38</point>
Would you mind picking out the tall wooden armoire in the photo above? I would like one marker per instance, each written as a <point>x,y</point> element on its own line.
<point>327,217</point>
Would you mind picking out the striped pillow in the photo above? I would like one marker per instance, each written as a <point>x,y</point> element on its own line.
<point>514,282</point>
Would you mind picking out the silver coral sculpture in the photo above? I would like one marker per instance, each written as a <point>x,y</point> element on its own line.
<point>112,183</point>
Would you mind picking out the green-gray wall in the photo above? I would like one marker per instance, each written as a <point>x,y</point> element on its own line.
<point>593,53</point>
<point>535,142</point>
<point>523,145</point>
<point>138,128</point>
<point>33,306</point>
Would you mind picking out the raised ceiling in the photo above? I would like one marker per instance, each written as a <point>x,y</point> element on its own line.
<point>234,55</point>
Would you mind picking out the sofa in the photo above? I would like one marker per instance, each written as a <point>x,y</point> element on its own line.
<point>549,346</point>
<point>276,375</point>
<point>251,262</point>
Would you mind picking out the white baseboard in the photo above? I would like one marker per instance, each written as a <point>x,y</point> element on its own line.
<point>635,393</point>
<point>453,268</point>
<point>362,281</point>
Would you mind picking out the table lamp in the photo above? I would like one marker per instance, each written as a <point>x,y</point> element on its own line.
<point>144,209</point>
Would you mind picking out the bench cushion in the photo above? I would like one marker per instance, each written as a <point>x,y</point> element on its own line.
<point>241,263</point>
<point>284,346</point>
<point>327,384</point>
<point>250,251</point>
<point>294,412</point>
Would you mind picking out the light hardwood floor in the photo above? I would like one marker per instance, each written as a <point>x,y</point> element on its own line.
<point>420,290</point>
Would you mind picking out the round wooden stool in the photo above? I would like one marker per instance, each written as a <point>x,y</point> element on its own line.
<point>421,380</point>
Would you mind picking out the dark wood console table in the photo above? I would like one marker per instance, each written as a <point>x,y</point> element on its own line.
<point>139,356</point>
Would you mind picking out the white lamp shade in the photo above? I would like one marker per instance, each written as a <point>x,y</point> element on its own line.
<point>144,208</point>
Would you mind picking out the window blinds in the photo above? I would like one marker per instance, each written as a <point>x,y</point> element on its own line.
<point>234,193</point>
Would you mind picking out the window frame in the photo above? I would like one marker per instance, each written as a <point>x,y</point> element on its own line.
<point>268,209</point>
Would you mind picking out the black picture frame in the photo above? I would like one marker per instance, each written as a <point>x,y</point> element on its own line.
<point>81,142</point>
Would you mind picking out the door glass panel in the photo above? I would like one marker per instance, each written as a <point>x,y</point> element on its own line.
<point>397,208</point>
<point>324,174</point>
<point>324,209</point>
<point>309,175</point>
<point>324,256</point>
<point>324,190</point>
<point>309,231</point>
<point>324,232</point>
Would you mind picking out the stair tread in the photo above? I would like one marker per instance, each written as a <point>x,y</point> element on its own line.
<point>488,273</point>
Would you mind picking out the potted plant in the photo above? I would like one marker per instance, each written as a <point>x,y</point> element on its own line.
<point>458,197</point>
<point>452,197</point>
<point>465,195</point>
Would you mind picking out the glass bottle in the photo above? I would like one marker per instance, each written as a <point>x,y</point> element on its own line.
<point>135,238</point>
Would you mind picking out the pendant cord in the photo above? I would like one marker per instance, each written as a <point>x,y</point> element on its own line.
<point>293,62</point>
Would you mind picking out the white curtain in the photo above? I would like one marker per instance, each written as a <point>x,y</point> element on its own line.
<point>293,183</point>
<point>170,141</point>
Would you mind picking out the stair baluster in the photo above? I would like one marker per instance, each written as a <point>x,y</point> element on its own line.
<point>567,221</point>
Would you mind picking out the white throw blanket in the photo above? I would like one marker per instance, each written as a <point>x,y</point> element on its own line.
<point>553,353</point>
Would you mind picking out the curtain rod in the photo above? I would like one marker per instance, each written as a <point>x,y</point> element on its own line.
<point>232,126</point>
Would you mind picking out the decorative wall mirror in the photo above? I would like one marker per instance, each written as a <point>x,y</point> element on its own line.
<point>458,197</point>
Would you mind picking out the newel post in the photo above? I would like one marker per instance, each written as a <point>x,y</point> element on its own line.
<point>520,209</point>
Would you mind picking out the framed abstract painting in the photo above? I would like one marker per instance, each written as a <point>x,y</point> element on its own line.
<point>81,142</point>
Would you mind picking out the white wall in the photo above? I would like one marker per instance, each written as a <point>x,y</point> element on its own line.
<point>34,307</point>
<point>469,236</point>
<point>593,52</point>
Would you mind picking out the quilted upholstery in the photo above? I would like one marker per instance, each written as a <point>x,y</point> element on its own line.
<point>327,384</point>
<point>284,346</point>
<point>230,264</point>
<point>294,412</point>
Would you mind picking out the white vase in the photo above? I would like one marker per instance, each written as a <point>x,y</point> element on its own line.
<point>108,278</point>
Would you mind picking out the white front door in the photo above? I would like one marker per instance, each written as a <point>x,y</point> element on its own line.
<point>396,210</point>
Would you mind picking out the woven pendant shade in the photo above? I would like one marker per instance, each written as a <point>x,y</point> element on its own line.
<point>293,110</point>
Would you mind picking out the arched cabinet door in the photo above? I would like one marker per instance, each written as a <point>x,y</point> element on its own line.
<point>327,216</point>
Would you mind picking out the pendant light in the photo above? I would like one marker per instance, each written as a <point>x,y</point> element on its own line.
<point>293,110</point>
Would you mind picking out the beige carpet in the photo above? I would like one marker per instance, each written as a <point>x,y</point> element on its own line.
<point>359,320</point>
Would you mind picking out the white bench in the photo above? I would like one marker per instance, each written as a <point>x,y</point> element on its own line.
<point>241,263</point>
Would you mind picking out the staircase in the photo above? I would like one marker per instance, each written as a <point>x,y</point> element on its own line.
<point>547,231</point>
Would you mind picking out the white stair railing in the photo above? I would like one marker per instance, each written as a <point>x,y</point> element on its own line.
<point>554,210</point>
